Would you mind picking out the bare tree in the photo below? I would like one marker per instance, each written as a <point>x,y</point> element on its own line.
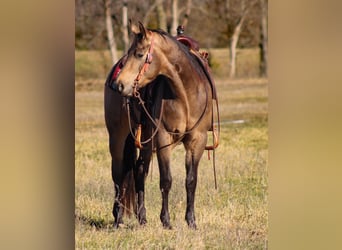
<point>125,25</point>
<point>241,8</point>
<point>110,31</point>
<point>232,46</point>
<point>187,13</point>
<point>174,17</point>
<point>161,15</point>
<point>263,39</point>
<point>149,11</point>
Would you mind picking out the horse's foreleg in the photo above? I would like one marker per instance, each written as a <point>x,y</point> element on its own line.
<point>165,184</point>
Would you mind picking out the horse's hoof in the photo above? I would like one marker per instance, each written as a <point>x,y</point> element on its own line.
<point>167,226</point>
<point>119,225</point>
<point>192,225</point>
<point>142,222</point>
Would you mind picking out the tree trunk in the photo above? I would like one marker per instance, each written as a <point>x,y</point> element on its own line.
<point>110,32</point>
<point>263,40</point>
<point>124,26</point>
<point>174,17</point>
<point>161,15</point>
<point>187,13</point>
<point>168,16</point>
<point>232,46</point>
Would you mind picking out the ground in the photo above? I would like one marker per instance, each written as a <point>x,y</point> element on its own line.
<point>234,216</point>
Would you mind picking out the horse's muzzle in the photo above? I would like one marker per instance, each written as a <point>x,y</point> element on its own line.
<point>119,87</point>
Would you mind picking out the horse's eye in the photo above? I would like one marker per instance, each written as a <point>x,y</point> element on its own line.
<point>140,55</point>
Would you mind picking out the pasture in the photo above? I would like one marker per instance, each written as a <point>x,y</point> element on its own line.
<point>234,216</point>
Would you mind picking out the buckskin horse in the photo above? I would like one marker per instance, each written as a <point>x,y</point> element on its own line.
<point>163,95</point>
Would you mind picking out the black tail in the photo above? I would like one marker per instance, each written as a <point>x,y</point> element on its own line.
<point>130,156</point>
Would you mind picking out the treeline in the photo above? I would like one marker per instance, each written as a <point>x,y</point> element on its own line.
<point>213,23</point>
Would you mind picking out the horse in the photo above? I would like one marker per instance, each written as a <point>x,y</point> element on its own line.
<point>163,96</point>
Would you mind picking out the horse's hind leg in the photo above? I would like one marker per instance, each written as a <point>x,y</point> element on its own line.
<point>140,173</point>
<point>116,176</point>
<point>123,158</point>
<point>117,172</point>
<point>117,210</point>
<point>165,184</point>
<point>194,152</point>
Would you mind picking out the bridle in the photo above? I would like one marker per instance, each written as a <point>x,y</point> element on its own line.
<point>143,68</point>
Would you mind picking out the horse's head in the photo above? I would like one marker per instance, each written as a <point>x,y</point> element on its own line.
<point>139,69</point>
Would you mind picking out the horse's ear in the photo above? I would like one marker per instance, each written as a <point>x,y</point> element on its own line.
<point>135,29</point>
<point>130,22</point>
<point>142,29</point>
<point>138,29</point>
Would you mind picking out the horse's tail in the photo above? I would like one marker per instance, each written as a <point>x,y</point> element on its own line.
<point>129,198</point>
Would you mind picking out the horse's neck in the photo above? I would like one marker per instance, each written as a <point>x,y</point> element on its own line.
<point>185,81</point>
<point>179,89</point>
<point>171,67</point>
<point>178,69</point>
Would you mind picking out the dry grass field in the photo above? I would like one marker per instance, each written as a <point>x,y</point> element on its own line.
<point>234,216</point>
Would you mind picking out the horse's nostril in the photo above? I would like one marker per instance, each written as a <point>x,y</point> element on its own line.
<point>112,85</point>
<point>120,87</point>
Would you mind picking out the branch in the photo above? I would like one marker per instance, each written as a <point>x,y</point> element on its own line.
<point>149,11</point>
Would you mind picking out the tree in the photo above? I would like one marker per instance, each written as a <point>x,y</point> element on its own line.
<point>233,42</point>
<point>149,11</point>
<point>263,40</point>
<point>187,13</point>
<point>110,32</point>
<point>125,25</point>
<point>174,17</point>
<point>161,15</point>
<point>241,9</point>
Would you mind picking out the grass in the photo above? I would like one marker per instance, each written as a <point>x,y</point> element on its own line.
<point>232,217</point>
